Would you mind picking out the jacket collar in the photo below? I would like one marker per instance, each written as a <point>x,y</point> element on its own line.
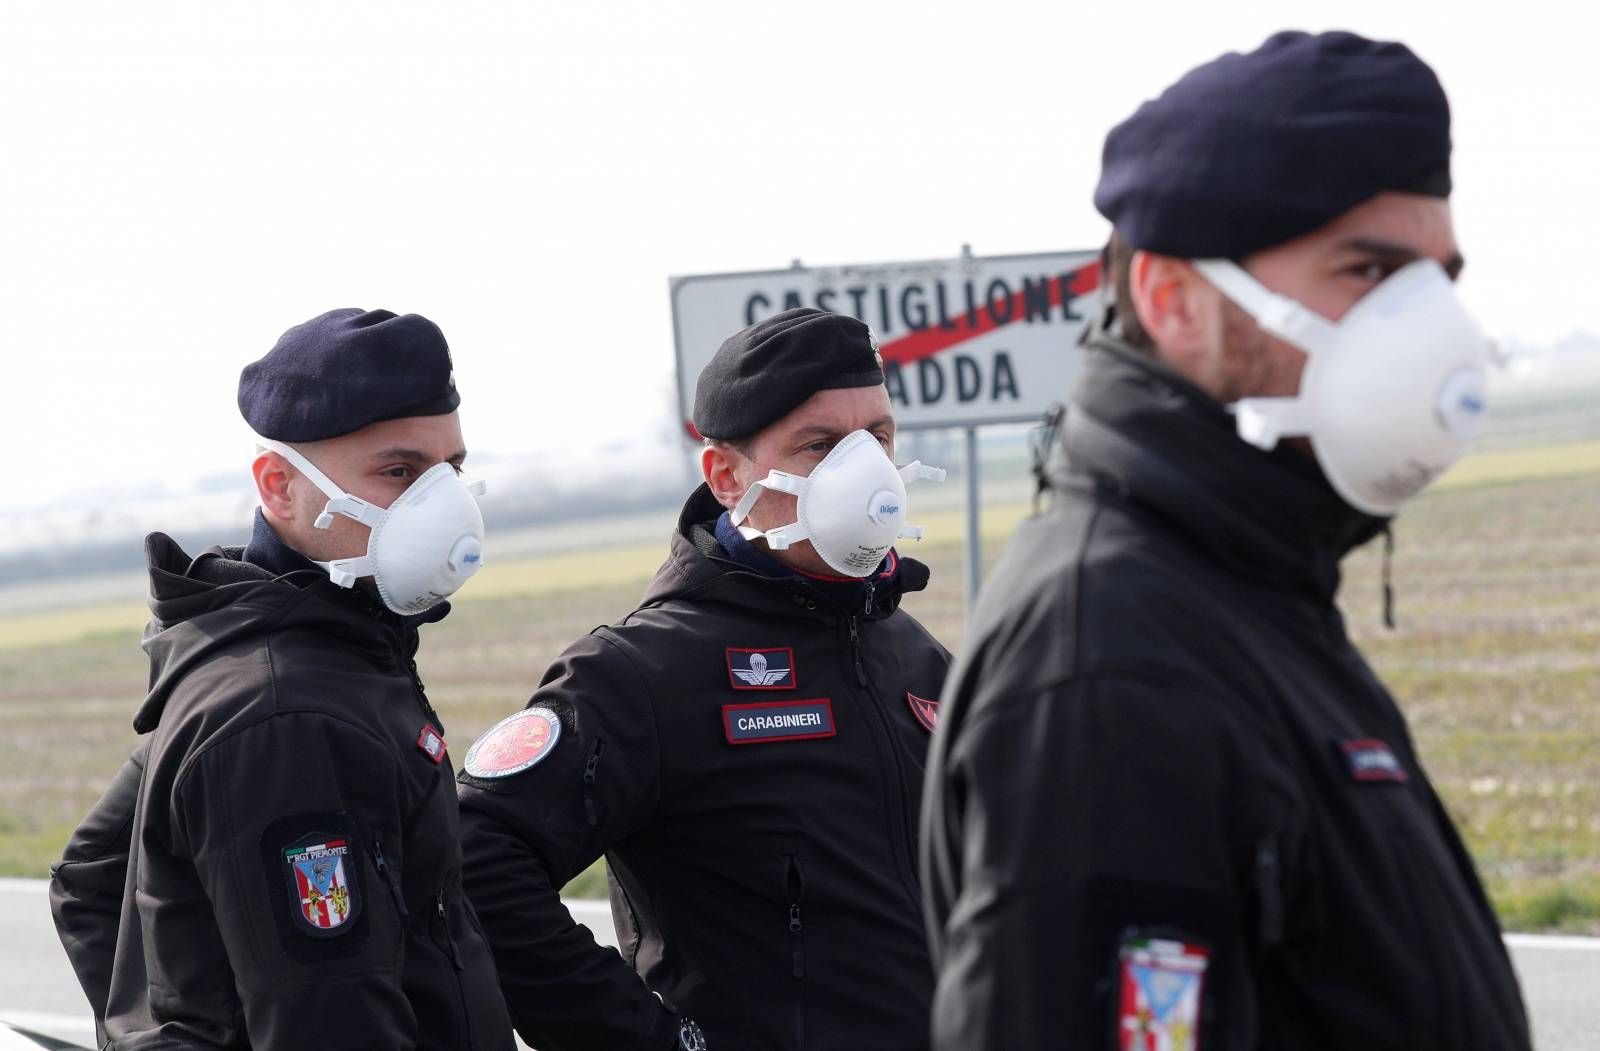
<point>698,563</point>
<point>266,550</point>
<point>1142,433</point>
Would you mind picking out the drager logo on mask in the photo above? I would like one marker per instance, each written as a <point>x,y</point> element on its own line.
<point>421,549</point>
<point>1392,393</point>
<point>851,506</point>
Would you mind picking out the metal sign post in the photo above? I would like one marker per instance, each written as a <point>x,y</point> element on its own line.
<point>974,537</point>
<point>966,342</point>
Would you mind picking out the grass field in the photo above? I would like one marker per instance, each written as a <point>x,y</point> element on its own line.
<point>1496,660</point>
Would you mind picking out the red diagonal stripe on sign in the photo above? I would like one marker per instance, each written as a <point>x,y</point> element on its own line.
<point>930,341</point>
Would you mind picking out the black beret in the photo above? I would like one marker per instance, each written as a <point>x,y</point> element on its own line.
<point>345,369</point>
<point>762,373</point>
<point>1250,151</point>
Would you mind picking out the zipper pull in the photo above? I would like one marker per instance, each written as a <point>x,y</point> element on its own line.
<point>589,766</point>
<point>798,957</point>
<point>388,877</point>
<point>855,651</point>
<point>1269,893</point>
<point>866,609</point>
<point>444,923</point>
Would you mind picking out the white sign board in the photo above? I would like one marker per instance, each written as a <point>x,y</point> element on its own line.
<point>965,341</point>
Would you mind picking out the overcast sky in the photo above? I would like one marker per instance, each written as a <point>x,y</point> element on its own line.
<point>182,181</point>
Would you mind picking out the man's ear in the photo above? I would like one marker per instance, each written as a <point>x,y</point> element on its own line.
<point>719,463</point>
<point>1175,305</point>
<point>273,475</point>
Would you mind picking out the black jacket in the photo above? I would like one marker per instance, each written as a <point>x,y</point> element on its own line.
<point>1158,729</point>
<point>765,888</point>
<point>282,848</point>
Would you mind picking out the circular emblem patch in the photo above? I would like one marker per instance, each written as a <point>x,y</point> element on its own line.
<point>514,744</point>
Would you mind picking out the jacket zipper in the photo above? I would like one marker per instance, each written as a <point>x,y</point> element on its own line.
<point>447,945</point>
<point>422,695</point>
<point>589,765</point>
<point>796,885</point>
<point>908,858</point>
<point>855,650</point>
<point>382,865</point>
<point>1269,895</point>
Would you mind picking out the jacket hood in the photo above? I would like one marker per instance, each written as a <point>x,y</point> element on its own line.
<point>203,604</point>
<point>696,563</point>
<point>1138,431</point>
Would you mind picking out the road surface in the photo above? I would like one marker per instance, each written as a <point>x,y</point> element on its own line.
<point>1560,976</point>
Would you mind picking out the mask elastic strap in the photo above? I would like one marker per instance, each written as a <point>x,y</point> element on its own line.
<point>784,536</point>
<point>1279,315</point>
<point>346,571</point>
<point>1264,421</point>
<point>781,481</point>
<point>339,501</point>
<point>917,471</point>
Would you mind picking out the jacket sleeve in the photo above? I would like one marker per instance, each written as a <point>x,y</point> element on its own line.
<point>525,835</point>
<point>86,885</point>
<point>283,823</point>
<point>1068,825</point>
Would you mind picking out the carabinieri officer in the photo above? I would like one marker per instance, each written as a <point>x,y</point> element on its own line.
<point>746,748</point>
<point>1192,816</point>
<point>278,865</point>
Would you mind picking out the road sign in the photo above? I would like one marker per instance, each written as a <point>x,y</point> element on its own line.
<point>966,341</point>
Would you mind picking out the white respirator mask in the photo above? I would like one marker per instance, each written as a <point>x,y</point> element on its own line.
<point>852,506</point>
<point>421,549</point>
<point>1393,392</point>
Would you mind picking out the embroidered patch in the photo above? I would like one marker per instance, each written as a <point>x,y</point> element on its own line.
<point>431,743</point>
<point>771,669</point>
<point>926,711</point>
<point>1161,982</point>
<point>777,721</point>
<point>514,744</point>
<point>1370,759</point>
<point>321,892</point>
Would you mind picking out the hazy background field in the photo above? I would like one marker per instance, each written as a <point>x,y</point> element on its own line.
<point>1496,658</point>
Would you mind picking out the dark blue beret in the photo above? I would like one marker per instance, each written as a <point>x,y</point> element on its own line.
<point>1250,151</point>
<point>762,373</point>
<point>345,369</point>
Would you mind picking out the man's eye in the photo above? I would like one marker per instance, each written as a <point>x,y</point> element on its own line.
<point>1370,272</point>
<point>817,447</point>
<point>397,471</point>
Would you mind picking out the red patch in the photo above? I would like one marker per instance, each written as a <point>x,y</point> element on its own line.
<point>431,744</point>
<point>926,711</point>
<point>1369,759</point>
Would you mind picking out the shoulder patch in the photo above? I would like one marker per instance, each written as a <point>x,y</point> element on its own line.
<point>926,711</point>
<point>1161,982</point>
<point>761,669</point>
<point>322,894</point>
<point>313,867</point>
<point>778,721</point>
<point>1369,759</point>
<point>430,743</point>
<point>514,744</point>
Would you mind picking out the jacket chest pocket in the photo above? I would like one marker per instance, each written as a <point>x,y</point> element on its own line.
<point>1400,873</point>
